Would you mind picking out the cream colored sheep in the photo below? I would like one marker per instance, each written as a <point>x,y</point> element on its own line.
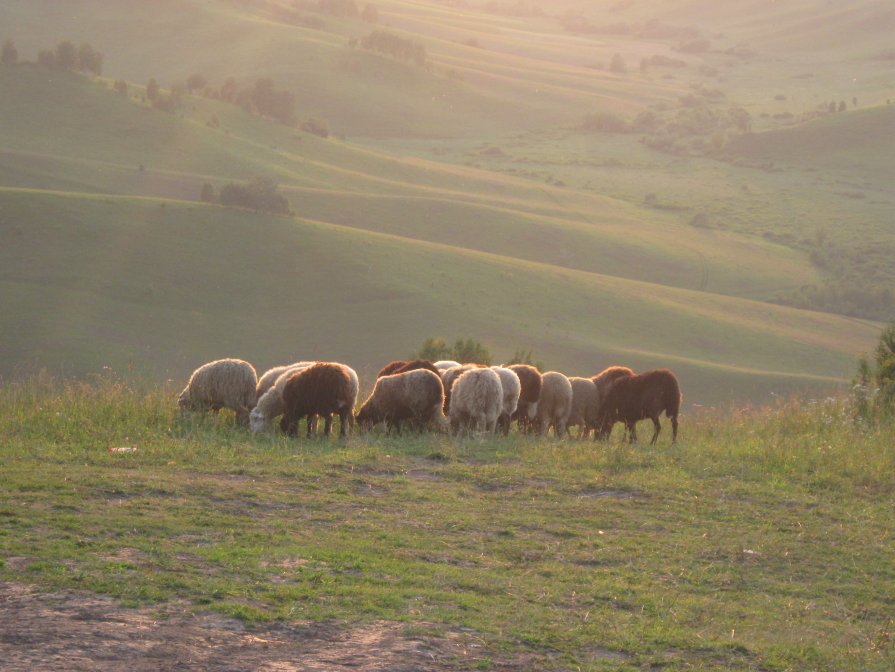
<point>416,395</point>
<point>555,403</point>
<point>585,406</point>
<point>224,383</point>
<point>476,401</point>
<point>445,364</point>
<point>270,376</point>
<point>449,377</point>
<point>511,386</point>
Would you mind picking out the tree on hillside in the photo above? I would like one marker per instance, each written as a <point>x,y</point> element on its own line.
<point>46,58</point>
<point>66,55</point>
<point>229,90</point>
<point>207,193</point>
<point>121,87</point>
<point>10,55</point>
<point>874,386</point>
<point>152,89</point>
<point>196,82</point>
<point>90,60</point>
<point>260,194</point>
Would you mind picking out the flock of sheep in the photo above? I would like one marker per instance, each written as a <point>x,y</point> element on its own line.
<point>443,396</point>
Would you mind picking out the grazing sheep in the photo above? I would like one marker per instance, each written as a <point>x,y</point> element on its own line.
<point>270,404</point>
<point>415,364</point>
<point>527,409</point>
<point>632,398</point>
<point>391,367</point>
<point>416,395</point>
<point>445,364</point>
<point>322,389</point>
<point>603,379</point>
<point>224,383</point>
<point>511,386</point>
<point>449,377</point>
<point>270,377</point>
<point>585,406</point>
<point>554,404</point>
<point>477,401</point>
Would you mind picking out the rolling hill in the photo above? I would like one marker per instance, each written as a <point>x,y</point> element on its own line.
<point>472,206</point>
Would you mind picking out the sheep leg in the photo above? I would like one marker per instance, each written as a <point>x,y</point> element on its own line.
<point>344,422</point>
<point>632,431</point>
<point>673,428</point>
<point>656,429</point>
<point>328,425</point>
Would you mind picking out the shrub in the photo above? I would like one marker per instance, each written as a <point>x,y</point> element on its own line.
<point>603,122</point>
<point>259,194</point>
<point>468,350</point>
<point>316,127</point>
<point>383,42</point>
<point>121,87</point>
<point>9,54</point>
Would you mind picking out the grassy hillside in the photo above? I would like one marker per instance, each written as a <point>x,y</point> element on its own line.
<point>521,230</point>
<point>161,285</point>
<point>762,540</point>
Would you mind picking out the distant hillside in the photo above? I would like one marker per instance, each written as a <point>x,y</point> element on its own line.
<point>161,286</point>
<point>853,140</point>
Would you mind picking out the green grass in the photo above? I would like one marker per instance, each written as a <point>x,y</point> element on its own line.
<point>118,281</point>
<point>762,540</point>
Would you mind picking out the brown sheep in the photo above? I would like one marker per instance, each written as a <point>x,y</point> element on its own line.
<point>391,367</point>
<point>603,379</point>
<point>415,364</point>
<point>527,409</point>
<point>632,398</point>
<point>417,396</point>
<point>322,389</point>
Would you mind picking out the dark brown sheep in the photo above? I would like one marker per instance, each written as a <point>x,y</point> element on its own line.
<point>391,367</point>
<point>629,399</point>
<point>322,389</point>
<point>603,379</point>
<point>530,380</point>
<point>415,364</point>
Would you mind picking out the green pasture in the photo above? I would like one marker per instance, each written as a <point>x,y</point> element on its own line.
<point>762,540</point>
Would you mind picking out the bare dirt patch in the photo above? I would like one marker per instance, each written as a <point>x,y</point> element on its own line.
<point>79,631</point>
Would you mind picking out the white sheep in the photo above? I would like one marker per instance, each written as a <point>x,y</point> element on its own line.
<point>445,364</point>
<point>266,381</point>
<point>585,406</point>
<point>449,377</point>
<point>555,403</point>
<point>511,386</point>
<point>224,383</point>
<point>416,395</point>
<point>476,401</point>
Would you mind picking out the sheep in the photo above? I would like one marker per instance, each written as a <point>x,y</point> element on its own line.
<point>585,406</point>
<point>445,364</point>
<point>511,386</point>
<point>416,395</point>
<point>321,389</point>
<point>270,377</point>
<point>415,364</point>
<point>603,379</point>
<point>270,404</point>
<point>554,404</point>
<point>224,383</point>
<point>449,377</point>
<point>391,367</point>
<point>477,401</point>
<point>527,409</point>
<point>637,397</point>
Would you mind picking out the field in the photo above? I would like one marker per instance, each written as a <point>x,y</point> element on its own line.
<point>761,541</point>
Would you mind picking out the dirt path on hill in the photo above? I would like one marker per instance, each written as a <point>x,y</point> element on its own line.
<point>80,631</point>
